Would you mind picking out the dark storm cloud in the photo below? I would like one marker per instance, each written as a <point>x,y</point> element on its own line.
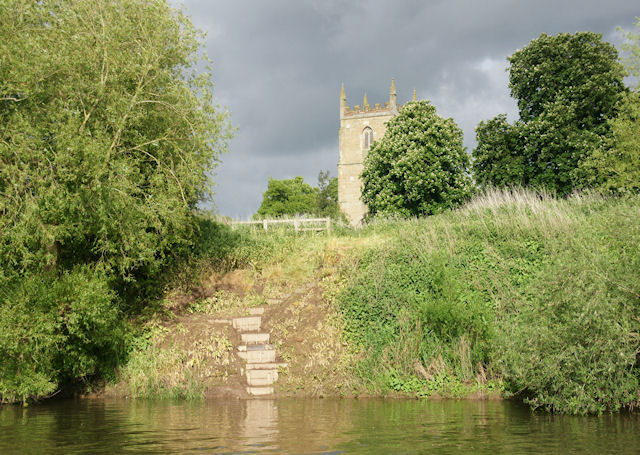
<point>278,66</point>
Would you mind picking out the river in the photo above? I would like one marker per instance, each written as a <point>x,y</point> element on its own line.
<point>308,426</point>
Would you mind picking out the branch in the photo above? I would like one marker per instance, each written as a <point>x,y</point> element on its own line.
<point>12,98</point>
<point>184,199</point>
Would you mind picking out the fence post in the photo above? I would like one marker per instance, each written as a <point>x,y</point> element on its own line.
<point>265,224</point>
<point>328,226</point>
<point>295,225</point>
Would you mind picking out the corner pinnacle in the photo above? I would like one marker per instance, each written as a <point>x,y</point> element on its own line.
<point>343,97</point>
<point>414,95</point>
<point>393,87</point>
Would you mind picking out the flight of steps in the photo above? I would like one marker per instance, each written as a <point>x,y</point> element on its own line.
<point>261,369</point>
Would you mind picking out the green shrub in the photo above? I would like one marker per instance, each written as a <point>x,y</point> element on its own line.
<point>540,295</point>
<point>55,330</point>
<point>156,373</point>
<point>406,307</point>
<point>574,346</point>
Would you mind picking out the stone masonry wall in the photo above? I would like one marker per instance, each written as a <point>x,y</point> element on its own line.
<point>351,157</point>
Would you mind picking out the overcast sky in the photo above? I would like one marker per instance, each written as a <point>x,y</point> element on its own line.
<point>278,66</point>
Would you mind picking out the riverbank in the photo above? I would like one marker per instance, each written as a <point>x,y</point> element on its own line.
<point>516,294</point>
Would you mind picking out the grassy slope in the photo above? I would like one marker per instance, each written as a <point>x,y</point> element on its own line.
<point>515,292</point>
<point>539,294</point>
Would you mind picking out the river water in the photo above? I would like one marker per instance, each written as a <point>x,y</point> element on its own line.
<point>307,426</point>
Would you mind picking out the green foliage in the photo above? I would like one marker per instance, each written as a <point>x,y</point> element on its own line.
<point>288,197</point>
<point>153,373</point>
<point>327,204</point>
<point>573,346</point>
<point>57,329</point>
<point>295,197</point>
<point>566,87</point>
<point>498,159</point>
<point>108,136</point>
<point>615,167</point>
<point>417,315</point>
<point>419,167</point>
<point>516,287</point>
<point>632,49</point>
<point>579,70</point>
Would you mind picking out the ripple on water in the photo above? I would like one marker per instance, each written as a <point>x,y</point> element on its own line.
<point>307,426</point>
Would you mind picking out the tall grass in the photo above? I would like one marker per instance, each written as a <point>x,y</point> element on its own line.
<point>517,286</point>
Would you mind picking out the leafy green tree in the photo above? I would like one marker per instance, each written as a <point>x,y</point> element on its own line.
<point>419,167</point>
<point>566,87</point>
<point>615,167</point>
<point>632,49</point>
<point>498,159</point>
<point>327,204</point>
<point>108,134</point>
<point>288,197</point>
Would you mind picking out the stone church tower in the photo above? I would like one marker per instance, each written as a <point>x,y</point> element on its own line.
<point>359,127</point>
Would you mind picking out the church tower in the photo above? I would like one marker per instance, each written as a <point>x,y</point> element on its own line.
<point>359,127</point>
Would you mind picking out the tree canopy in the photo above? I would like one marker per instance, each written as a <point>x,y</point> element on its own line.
<point>288,197</point>
<point>566,86</point>
<point>294,196</point>
<point>499,156</point>
<point>108,136</point>
<point>108,133</point>
<point>615,166</point>
<point>327,205</point>
<point>419,167</point>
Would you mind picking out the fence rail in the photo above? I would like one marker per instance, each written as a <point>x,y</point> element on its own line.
<point>299,224</point>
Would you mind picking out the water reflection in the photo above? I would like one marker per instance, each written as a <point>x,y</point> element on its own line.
<point>308,426</point>
<point>260,423</point>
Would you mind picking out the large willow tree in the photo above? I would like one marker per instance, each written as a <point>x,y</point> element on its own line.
<point>107,135</point>
<point>107,132</point>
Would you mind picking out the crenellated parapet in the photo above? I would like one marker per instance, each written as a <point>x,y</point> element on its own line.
<point>389,108</point>
<point>377,108</point>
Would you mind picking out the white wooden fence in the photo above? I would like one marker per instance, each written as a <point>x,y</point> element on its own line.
<point>299,224</point>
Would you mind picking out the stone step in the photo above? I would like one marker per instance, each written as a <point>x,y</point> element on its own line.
<point>268,390</point>
<point>257,311</point>
<point>261,356</point>
<point>255,347</point>
<point>255,338</point>
<point>222,321</point>
<point>247,324</point>
<point>261,377</point>
<point>266,366</point>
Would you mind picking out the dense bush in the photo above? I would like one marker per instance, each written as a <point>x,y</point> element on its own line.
<point>517,287</point>
<point>406,305</point>
<point>572,345</point>
<point>56,329</point>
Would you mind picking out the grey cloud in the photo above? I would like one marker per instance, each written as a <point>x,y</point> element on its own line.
<point>278,66</point>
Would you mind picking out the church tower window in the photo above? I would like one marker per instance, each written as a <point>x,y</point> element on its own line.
<point>367,139</point>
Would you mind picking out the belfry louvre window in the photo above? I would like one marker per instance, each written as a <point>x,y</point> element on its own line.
<point>367,138</point>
